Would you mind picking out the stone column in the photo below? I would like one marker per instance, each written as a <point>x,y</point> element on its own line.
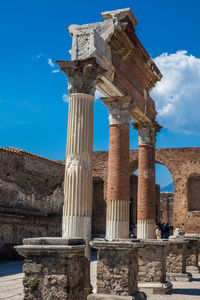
<point>146,182</point>
<point>118,188</point>
<point>77,210</point>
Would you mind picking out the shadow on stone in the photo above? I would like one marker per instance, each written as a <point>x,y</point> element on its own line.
<point>194,292</point>
<point>10,268</point>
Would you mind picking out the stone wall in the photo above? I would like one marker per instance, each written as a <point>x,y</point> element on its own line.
<point>166,207</point>
<point>31,198</point>
<point>182,164</point>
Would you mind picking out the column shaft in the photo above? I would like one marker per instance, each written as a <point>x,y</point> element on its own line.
<point>117,224</point>
<point>77,209</point>
<point>146,184</point>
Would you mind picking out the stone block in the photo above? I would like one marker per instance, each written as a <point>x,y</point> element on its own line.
<point>55,270</point>
<point>155,287</point>
<point>138,296</point>
<point>117,270</point>
<point>192,254</point>
<point>152,267</point>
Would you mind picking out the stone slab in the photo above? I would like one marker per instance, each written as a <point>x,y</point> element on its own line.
<point>155,287</point>
<point>193,269</point>
<point>183,277</point>
<point>138,296</point>
<point>54,241</point>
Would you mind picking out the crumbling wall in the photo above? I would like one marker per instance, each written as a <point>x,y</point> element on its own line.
<point>31,198</point>
<point>166,207</point>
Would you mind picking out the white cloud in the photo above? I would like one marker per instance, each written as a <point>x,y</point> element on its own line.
<point>50,62</point>
<point>177,96</point>
<point>65,98</point>
<point>98,95</point>
<point>55,71</point>
<point>39,55</point>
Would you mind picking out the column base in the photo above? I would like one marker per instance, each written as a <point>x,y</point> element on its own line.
<point>193,269</point>
<point>55,268</point>
<point>155,287</point>
<point>137,296</point>
<point>183,277</point>
<point>146,229</point>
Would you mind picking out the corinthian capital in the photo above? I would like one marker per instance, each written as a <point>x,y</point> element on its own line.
<point>147,133</point>
<point>119,109</point>
<point>82,75</point>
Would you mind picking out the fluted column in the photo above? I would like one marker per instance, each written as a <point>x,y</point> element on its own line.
<point>77,209</point>
<point>146,182</point>
<point>118,183</point>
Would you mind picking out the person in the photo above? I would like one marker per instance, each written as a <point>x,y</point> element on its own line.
<point>131,230</point>
<point>162,228</point>
<point>158,232</point>
<point>167,231</point>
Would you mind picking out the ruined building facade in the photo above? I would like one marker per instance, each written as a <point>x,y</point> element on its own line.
<point>31,194</point>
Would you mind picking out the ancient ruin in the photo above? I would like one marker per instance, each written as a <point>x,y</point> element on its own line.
<point>109,56</point>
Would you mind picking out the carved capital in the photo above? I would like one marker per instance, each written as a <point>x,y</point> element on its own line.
<point>147,133</point>
<point>82,75</point>
<point>119,109</point>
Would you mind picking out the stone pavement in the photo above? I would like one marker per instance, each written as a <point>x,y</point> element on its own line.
<point>11,284</point>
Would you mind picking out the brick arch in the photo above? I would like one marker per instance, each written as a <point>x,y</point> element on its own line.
<point>181,162</point>
<point>160,159</point>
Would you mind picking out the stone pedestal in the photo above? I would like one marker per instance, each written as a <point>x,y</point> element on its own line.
<point>55,268</point>
<point>117,270</point>
<point>152,267</point>
<point>176,261</point>
<point>192,254</point>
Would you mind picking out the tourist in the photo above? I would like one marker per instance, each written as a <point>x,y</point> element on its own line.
<point>158,232</point>
<point>166,231</point>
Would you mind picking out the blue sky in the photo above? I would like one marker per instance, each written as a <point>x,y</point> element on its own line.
<point>33,35</point>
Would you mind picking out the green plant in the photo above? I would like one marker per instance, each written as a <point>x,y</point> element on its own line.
<point>33,285</point>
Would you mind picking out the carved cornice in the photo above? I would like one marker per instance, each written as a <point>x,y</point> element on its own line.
<point>82,75</point>
<point>119,109</point>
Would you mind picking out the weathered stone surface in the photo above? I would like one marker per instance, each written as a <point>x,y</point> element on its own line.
<point>192,254</point>
<point>54,272</point>
<point>138,296</point>
<point>116,267</point>
<point>176,261</point>
<point>166,207</point>
<point>152,267</point>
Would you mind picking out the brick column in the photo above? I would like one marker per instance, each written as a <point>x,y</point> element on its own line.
<point>146,182</point>
<point>118,189</point>
<point>77,209</point>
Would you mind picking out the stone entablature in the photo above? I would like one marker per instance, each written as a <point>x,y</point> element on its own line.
<point>117,49</point>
